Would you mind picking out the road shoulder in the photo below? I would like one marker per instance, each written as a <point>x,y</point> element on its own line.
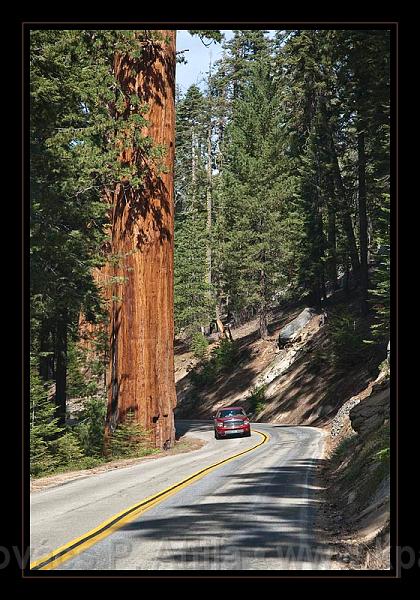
<point>183,445</point>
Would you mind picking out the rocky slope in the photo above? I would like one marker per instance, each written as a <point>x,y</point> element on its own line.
<point>357,478</point>
<point>299,383</point>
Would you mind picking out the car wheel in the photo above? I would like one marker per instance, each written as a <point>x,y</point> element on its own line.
<point>248,434</point>
<point>216,435</point>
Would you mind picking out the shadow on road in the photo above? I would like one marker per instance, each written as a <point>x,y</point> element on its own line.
<point>183,427</point>
<point>262,516</point>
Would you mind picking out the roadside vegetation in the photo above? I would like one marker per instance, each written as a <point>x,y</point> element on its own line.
<point>55,448</point>
<point>221,360</point>
<point>257,400</point>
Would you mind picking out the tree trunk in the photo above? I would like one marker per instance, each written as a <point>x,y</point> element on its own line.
<point>61,368</point>
<point>344,208</point>
<point>220,326</point>
<point>45,369</point>
<point>228,333</point>
<point>209,205</point>
<point>316,293</point>
<point>323,288</point>
<point>363,225</point>
<point>347,279</point>
<point>331,236</point>
<point>193,170</point>
<point>142,322</point>
<point>345,211</point>
<point>263,325</point>
<point>262,313</point>
<point>318,243</point>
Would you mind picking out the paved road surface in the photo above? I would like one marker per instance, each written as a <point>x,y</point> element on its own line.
<point>255,512</point>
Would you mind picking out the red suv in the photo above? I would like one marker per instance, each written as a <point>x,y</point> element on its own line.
<point>231,420</point>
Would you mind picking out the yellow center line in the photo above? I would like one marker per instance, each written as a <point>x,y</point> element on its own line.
<point>82,543</point>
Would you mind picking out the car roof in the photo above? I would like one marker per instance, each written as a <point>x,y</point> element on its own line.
<point>231,407</point>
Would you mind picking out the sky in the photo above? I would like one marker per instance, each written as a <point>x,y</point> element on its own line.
<point>198,57</point>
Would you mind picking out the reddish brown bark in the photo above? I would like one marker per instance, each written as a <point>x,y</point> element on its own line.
<point>141,373</point>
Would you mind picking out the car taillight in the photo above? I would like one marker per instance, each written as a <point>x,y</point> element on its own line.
<point>246,421</point>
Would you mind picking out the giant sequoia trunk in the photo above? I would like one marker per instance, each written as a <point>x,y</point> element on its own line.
<point>141,373</point>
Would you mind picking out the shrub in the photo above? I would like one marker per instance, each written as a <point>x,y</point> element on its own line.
<point>225,355</point>
<point>90,429</point>
<point>80,382</point>
<point>130,439</point>
<point>205,375</point>
<point>199,345</point>
<point>345,447</point>
<point>222,359</point>
<point>257,399</point>
<point>41,459</point>
<point>44,426</point>
<point>383,454</point>
<point>67,450</point>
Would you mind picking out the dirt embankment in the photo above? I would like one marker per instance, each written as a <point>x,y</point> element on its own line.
<point>302,386</point>
<point>356,480</point>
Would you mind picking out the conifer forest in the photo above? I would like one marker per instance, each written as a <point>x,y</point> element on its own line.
<point>160,216</point>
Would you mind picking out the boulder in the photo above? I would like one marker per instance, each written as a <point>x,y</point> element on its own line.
<point>292,329</point>
<point>373,411</point>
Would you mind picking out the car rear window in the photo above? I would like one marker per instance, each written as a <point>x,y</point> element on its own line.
<point>231,413</point>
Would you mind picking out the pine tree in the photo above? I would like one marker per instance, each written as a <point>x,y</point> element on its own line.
<point>44,427</point>
<point>363,79</point>
<point>193,302</point>
<point>380,291</point>
<point>72,161</point>
<point>250,220</point>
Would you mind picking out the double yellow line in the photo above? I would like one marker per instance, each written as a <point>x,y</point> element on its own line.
<point>80,544</point>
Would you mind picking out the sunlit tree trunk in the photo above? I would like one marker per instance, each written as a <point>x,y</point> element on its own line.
<point>141,370</point>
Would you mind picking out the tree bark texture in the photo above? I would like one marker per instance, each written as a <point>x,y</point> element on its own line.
<point>141,370</point>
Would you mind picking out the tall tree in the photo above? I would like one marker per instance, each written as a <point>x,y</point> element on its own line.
<point>142,324</point>
<point>250,222</point>
<point>69,166</point>
<point>193,303</point>
<point>142,330</point>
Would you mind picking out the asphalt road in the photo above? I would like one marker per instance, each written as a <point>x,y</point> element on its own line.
<point>255,512</point>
